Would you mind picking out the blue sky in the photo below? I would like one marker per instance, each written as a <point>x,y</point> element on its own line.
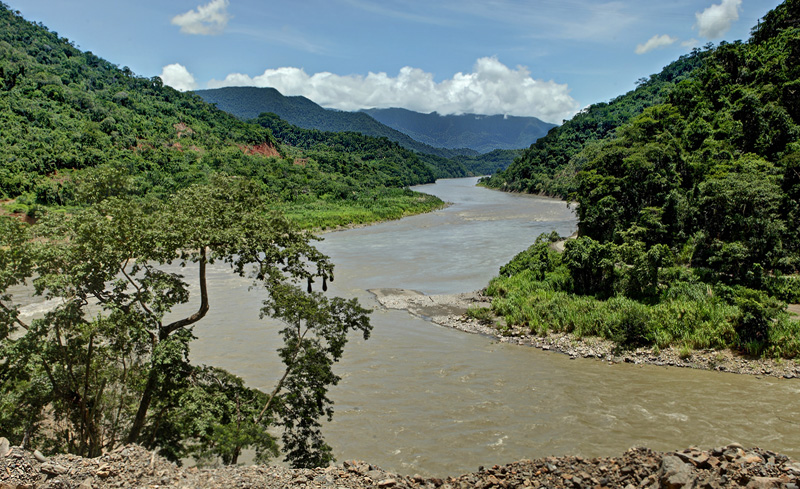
<point>543,58</point>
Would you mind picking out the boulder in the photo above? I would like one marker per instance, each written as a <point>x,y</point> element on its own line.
<point>674,473</point>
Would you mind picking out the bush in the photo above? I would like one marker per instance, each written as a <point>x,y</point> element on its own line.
<point>631,326</point>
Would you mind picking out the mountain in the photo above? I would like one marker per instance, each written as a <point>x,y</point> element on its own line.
<point>483,133</point>
<point>249,102</point>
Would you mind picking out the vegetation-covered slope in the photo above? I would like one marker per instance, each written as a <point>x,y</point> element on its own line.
<point>688,213</point>
<point>549,165</point>
<point>406,167</point>
<point>250,102</point>
<point>483,133</point>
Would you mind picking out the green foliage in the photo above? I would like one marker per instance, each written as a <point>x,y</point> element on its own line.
<point>489,163</point>
<point>314,340</point>
<point>592,266</point>
<point>370,160</point>
<point>540,258</point>
<point>107,367</point>
<point>687,210</point>
<point>549,166</point>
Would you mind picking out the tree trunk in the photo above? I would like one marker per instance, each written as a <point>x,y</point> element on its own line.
<point>164,332</point>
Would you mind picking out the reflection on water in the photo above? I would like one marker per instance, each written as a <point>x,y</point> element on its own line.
<point>419,398</point>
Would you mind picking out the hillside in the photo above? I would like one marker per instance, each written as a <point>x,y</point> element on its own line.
<point>688,204</point>
<point>249,102</point>
<point>78,129</point>
<point>549,165</point>
<point>483,133</point>
<point>329,150</point>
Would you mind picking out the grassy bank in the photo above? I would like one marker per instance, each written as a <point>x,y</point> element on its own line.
<point>384,205</point>
<point>635,298</point>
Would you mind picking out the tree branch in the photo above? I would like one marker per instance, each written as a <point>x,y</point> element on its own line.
<point>201,312</point>
<point>16,319</point>
<point>135,286</point>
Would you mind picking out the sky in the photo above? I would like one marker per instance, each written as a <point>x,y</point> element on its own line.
<point>541,58</point>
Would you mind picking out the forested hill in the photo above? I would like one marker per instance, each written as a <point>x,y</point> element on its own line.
<point>250,102</point>
<point>551,163</point>
<point>77,128</point>
<point>688,212</point>
<point>483,133</point>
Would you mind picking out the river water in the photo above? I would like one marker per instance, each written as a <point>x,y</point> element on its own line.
<point>420,398</point>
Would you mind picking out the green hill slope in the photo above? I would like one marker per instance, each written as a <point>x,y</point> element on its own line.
<point>548,166</point>
<point>77,129</point>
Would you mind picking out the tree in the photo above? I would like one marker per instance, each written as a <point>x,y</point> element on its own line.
<point>108,367</point>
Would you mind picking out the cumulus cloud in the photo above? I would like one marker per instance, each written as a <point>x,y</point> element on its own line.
<point>178,77</point>
<point>715,21</point>
<point>492,88</point>
<point>209,19</point>
<point>656,42</point>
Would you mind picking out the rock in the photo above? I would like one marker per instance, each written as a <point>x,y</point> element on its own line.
<point>674,473</point>
<point>39,456</point>
<point>752,458</point>
<point>52,469</point>
<point>764,483</point>
<point>792,468</point>
<point>695,457</point>
<point>387,483</point>
<point>86,484</point>
<point>5,446</point>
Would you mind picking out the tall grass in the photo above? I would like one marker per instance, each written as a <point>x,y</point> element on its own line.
<point>687,314</point>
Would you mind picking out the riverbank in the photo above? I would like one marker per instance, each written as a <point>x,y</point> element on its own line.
<point>134,467</point>
<point>450,310</point>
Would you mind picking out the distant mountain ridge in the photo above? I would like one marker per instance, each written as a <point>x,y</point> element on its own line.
<point>482,133</point>
<point>248,102</point>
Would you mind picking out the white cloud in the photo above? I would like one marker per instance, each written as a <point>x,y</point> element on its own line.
<point>492,88</point>
<point>715,21</point>
<point>178,77</point>
<point>656,42</point>
<point>206,20</point>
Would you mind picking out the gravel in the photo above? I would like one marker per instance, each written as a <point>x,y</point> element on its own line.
<point>132,466</point>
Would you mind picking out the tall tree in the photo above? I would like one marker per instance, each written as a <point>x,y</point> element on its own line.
<point>108,364</point>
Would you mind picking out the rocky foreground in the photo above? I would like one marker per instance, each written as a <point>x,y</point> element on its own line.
<point>449,310</point>
<point>134,467</point>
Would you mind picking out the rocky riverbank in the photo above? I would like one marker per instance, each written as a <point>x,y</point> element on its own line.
<point>134,467</point>
<point>449,310</point>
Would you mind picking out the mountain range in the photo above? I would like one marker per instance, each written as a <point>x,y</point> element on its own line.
<point>482,133</point>
<point>448,136</point>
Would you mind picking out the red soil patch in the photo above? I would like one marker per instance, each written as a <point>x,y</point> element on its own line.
<point>263,149</point>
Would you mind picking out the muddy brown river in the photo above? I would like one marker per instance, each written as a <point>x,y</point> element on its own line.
<point>420,398</point>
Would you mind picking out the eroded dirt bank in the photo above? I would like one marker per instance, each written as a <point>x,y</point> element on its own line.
<point>449,310</point>
<point>134,467</point>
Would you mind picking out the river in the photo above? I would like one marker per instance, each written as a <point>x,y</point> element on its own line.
<point>420,398</point>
